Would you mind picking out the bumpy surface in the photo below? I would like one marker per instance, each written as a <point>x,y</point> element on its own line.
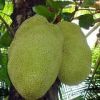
<point>77,55</point>
<point>35,56</point>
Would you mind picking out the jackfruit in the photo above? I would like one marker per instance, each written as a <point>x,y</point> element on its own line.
<point>35,56</point>
<point>77,55</point>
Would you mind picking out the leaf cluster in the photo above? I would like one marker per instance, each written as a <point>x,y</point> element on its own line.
<point>69,10</point>
<point>6,9</point>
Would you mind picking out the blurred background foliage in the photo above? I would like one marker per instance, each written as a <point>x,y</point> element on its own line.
<point>87,12</point>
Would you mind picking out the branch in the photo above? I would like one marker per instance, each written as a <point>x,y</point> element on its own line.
<point>97,20</point>
<point>93,29</point>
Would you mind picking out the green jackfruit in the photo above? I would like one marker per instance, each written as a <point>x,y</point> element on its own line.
<point>77,55</point>
<point>35,56</point>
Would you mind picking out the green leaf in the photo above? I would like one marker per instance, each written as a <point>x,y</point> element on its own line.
<point>2,4</point>
<point>3,59</point>
<point>5,40</point>
<point>86,21</point>
<point>3,68</point>
<point>43,10</point>
<point>62,4</point>
<point>88,3</point>
<point>4,75</point>
<point>54,5</point>
<point>8,8</point>
<point>6,12</point>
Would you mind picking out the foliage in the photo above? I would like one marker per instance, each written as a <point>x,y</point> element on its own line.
<point>69,10</point>
<point>6,9</point>
<point>95,54</point>
<point>86,18</point>
<point>2,4</point>
<point>3,66</point>
<point>94,79</point>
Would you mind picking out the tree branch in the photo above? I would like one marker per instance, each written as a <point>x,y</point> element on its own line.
<point>93,29</point>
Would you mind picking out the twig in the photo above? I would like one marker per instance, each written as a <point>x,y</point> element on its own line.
<point>93,29</point>
<point>97,20</point>
<point>56,16</point>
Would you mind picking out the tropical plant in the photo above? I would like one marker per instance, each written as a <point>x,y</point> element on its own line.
<point>14,12</point>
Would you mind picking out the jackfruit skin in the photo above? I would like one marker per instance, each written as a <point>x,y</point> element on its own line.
<point>35,56</point>
<point>77,55</point>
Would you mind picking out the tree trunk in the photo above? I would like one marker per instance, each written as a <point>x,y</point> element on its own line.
<point>23,10</point>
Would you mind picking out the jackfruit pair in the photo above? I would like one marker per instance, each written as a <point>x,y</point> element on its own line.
<point>41,51</point>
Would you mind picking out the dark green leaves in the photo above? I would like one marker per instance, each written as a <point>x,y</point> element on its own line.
<point>44,11</point>
<point>53,5</point>
<point>63,9</point>
<point>62,4</point>
<point>2,4</point>
<point>3,58</point>
<point>86,20</point>
<point>57,5</point>
<point>3,67</point>
<point>88,3</point>
<point>51,10</point>
<point>5,40</point>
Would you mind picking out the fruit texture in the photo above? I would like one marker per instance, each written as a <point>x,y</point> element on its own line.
<point>35,56</point>
<point>77,55</point>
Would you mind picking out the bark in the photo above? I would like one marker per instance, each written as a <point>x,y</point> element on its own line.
<point>23,10</point>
